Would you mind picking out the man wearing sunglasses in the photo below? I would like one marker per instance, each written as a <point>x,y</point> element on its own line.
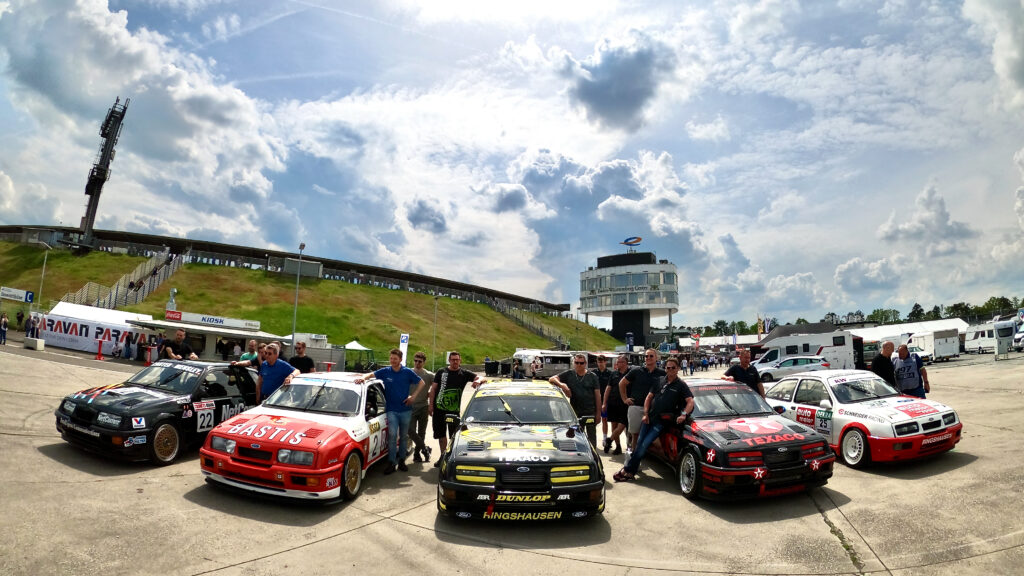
<point>642,380</point>
<point>583,390</point>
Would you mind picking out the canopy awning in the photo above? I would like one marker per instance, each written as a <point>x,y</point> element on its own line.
<point>170,326</point>
<point>355,345</point>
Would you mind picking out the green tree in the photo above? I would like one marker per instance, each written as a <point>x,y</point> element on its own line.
<point>935,313</point>
<point>741,327</point>
<point>959,310</point>
<point>801,321</point>
<point>721,327</point>
<point>996,305</point>
<point>916,313</point>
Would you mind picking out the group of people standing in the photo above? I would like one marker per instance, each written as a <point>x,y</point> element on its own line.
<point>905,372</point>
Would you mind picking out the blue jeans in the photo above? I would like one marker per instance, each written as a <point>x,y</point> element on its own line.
<point>398,430</point>
<point>648,434</point>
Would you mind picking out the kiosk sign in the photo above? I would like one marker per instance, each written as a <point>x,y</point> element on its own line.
<point>15,294</point>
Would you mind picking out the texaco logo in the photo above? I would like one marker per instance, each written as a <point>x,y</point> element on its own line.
<point>756,425</point>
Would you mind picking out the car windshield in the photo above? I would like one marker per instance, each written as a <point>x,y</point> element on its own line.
<point>526,408</point>
<point>727,400</point>
<point>176,378</point>
<point>310,395</point>
<point>861,388</point>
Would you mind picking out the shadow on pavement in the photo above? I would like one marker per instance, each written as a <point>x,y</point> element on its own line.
<point>263,508</point>
<point>524,535</point>
<point>91,462</point>
<point>924,468</point>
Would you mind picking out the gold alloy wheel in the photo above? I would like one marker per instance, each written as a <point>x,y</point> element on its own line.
<point>166,443</point>
<point>352,475</point>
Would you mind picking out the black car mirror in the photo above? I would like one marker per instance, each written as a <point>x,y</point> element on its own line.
<point>780,409</point>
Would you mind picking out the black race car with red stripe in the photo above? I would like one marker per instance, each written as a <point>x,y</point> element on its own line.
<point>736,446</point>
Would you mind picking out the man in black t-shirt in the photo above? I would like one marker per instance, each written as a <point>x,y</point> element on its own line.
<point>614,405</point>
<point>668,403</point>
<point>178,349</point>
<point>639,381</point>
<point>745,373</point>
<point>882,364</point>
<point>583,391</point>
<point>445,398</point>
<point>304,363</point>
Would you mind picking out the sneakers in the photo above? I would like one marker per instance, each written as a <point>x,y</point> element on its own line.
<point>617,451</point>
<point>390,469</point>
<point>403,467</point>
<point>416,456</point>
<point>426,453</point>
<point>607,445</point>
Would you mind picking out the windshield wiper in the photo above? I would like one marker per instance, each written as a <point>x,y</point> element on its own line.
<point>864,391</point>
<point>726,402</point>
<point>309,405</point>
<point>508,410</point>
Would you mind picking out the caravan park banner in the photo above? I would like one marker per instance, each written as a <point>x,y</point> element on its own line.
<point>82,334</point>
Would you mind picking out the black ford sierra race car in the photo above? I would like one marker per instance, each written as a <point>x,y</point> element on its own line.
<point>158,411</point>
<point>520,454</point>
<point>736,446</point>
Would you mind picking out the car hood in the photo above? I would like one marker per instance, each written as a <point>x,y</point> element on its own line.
<point>751,431</point>
<point>894,408</point>
<point>280,429</point>
<point>515,443</point>
<point>124,397</point>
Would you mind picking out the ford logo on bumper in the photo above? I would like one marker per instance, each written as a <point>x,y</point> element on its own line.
<point>463,514</point>
<point>255,446</point>
<point>523,469</point>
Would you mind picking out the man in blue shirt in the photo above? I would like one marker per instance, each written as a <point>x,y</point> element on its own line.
<point>274,372</point>
<point>398,381</point>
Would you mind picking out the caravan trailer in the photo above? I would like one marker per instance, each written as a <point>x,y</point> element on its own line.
<point>980,338</point>
<point>937,345</point>
<point>552,362</point>
<point>841,349</point>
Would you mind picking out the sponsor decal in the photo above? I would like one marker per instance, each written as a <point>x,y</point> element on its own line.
<point>917,409</point>
<point>759,473</point>
<point>67,423</point>
<point>579,514</point>
<point>268,432</point>
<point>522,498</point>
<point>138,422</point>
<point>713,426</point>
<point>935,439</point>
<point>134,440</point>
<point>463,514</point>
<point>522,458</point>
<point>772,438</point>
<point>230,410</point>
<point>711,455</point>
<point>374,427</point>
<point>93,393</point>
<point>755,425</point>
<point>183,399</point>
<point>522,515</point>
<point>186,413</point>
<point>862,415</point>
<point>564,497</point>
<point>805,416</point>
<point>523,469</point>
<point>207,405</point>
<point>332,482</point>
<point>815,465</point>
<point>482,497</point>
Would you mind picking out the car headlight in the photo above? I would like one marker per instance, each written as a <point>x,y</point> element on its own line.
<point>107,419</point>
<point>479,474</point>
<point>69,407</point>
<point>948,419</point>
<point>904,429</point>
<point>223,444</point>
<point>566,474</point>
<point>297,457</point>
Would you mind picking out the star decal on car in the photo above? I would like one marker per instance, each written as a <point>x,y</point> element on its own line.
<point>759,473</point>
<point>711,455</point>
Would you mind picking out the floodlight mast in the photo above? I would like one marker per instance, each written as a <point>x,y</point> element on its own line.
<point>110,131</point>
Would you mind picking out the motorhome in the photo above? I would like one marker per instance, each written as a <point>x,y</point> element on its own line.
<point>1004,335</point>
<point>940,345</point>
<point>841,349</point>
<point>551,362</point>
<point>980,338</point>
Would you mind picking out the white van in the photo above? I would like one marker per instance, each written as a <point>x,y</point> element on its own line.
<point>980,338</point>
<point>552,362</point>
<point>836,347</point>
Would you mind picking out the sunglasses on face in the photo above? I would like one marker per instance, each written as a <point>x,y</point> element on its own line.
<point>579,363</point>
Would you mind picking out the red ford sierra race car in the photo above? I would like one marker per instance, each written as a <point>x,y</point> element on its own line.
<point>311,439</point>
<point>864,418</point>
<point>736,446</point>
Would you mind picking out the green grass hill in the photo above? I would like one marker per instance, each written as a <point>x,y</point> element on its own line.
<point>374,316</point>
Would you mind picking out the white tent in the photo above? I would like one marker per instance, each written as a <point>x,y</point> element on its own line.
<point>897,330</point>
<point>355,345</point>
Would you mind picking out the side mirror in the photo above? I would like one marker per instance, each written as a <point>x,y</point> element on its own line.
<point>780,409</point>
<point>827,405</point>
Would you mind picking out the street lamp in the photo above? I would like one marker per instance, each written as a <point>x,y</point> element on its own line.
<point>39,297</point>
<point>295,309</point>
<point>433,347</point>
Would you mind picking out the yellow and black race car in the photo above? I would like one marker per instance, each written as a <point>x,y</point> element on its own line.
<point>520,454</point>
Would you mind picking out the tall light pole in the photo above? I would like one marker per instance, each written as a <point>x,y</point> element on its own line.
<point>295,309</point>
<point>433,347</point>
<point>39,297</point>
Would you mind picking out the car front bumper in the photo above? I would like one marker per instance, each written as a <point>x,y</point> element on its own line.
<point>462,500</point>
<point>723,483</point>
<point>124,444</point>
<point>916,446</point>
<point>274,480</point>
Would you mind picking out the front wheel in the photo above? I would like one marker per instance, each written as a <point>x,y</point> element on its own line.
<point>164,444</point>
<point>855,449</point>
<point>691,481</point>
<point>351,476</point>
<point>766,377</point>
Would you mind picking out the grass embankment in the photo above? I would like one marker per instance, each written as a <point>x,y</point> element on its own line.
<point>344,312</point>
<point>21,267</point>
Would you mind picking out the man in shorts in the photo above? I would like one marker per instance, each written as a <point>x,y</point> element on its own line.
<point>604,376</point>
<point>642,381</point>
<point>446,398</point>
<point>613,405</point>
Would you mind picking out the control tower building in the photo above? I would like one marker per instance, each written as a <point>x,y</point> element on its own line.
<point>631,288</point>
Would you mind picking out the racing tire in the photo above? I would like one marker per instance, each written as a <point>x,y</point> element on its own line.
<point>164,443</point>
<point>351,476</point>
<point>691,479</point>
<point>855,449</point>
<point>766,377</point>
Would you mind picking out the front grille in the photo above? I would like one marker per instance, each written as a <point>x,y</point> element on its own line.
<point>254,454</point>
<point>931,425</point>
<point>531,477</point>
<point>775,459</point>
<point>252,479</point>
<point>83,415</point>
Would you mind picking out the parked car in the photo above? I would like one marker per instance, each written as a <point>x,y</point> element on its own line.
<point>159,411</point>
<point>735,446</point>
<point>313,439</point>
<point>791,365</point>
<point>520,454</point>
<point>864,418</point>
<point>925,357</point>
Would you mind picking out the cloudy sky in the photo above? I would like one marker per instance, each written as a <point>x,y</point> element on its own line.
<point>791,158</point>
